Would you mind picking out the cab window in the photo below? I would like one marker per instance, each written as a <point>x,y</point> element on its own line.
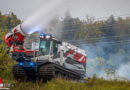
<point>44,47</point>
<point>55,47</point>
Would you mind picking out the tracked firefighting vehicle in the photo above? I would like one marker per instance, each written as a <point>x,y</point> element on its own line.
<point>53,58</point>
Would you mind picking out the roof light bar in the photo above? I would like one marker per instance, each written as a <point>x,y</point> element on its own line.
<point>45,36</point>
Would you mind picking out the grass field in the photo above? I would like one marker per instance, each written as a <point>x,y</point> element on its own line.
<point>62,84</point>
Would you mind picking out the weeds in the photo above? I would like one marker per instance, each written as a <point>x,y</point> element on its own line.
<point>61,84</point>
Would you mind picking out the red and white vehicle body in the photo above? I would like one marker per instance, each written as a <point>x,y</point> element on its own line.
<point>75,52</point>
<point>50,50</point>
<point>77,57</point>
<point>14,40</point>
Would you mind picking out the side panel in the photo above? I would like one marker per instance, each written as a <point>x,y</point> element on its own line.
<point>75,61</point>
<point>74,57</point>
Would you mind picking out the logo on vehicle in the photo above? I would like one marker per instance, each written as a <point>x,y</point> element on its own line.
<point>76,56</point>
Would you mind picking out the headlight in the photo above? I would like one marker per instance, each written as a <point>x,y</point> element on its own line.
<point>21,64</point>
<point>31,64</point>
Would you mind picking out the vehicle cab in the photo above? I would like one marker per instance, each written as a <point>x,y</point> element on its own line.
<point>48,48</point>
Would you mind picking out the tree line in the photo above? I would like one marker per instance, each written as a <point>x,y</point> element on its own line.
<point>6,23</point>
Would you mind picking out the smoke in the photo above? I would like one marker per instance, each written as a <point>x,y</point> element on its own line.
<point>108,58</point>
<point>124,71</point>
<point>40,19</point>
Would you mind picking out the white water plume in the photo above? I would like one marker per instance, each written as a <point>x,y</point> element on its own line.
<point>40,19</point>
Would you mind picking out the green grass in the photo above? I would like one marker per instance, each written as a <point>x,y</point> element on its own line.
<point>62,84</point>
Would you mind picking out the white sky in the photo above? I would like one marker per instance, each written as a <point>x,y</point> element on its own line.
<point>77,8</point>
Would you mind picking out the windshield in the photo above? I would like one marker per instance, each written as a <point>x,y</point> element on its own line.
<point>44,47</point>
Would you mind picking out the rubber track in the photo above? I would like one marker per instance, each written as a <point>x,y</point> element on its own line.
<point>50,71</point>
<point>22,73</point>
<point>18,72</point>
<point>46,72</point>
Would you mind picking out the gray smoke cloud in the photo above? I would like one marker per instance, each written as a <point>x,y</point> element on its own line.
<point>124,70</point>
<point>100,60</point>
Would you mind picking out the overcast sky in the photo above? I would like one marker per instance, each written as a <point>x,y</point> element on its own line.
<point>77,8</point>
